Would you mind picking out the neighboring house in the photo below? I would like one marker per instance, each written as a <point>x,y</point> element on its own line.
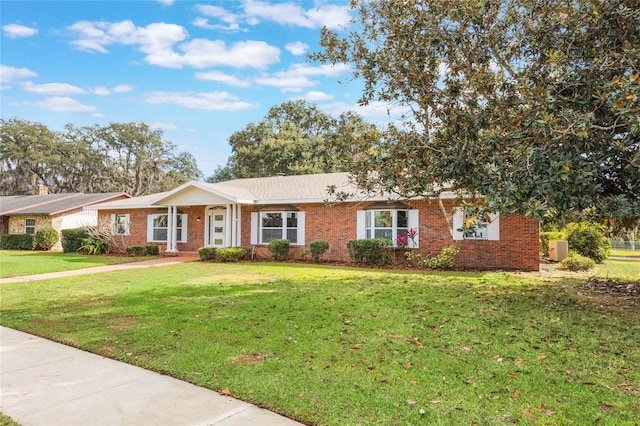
<point>251,212</point>
<point>26,214</point>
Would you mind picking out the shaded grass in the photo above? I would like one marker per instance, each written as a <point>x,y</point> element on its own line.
<point>15,263</point>
<point>350,346</point>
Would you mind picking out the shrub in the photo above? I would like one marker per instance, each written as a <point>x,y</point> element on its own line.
<point>545,237</point>
<point>45,238</point>
<point>318,248</point>
<point>207,254</point>
<point>72,239</point>
<point>576,262</point>
<point>17,242</point>
<point>152,250</point>
<point>279,248</point>
<point>445,260</point>
<point>374,251</point>
<point>136,250</point>
<point>588,239</point>
<point>233,254</point>
<point>94,246</point>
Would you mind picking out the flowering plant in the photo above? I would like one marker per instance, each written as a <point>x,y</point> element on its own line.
<point>410,236</point>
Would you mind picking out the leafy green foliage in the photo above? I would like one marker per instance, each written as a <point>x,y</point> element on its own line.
<point>374,251</point>
<point>72,239</point>
<point>119,157</point>
<point>545,237</point>
<point>279,248</point>
<point>17,242</point>
<point>233,254</point>
<point>445,260</point>
<point>46,238</point>
<point>532,104</point>
<point>576,262</point>
<point>148,250</point>
<point>94,246</point>
<point>318,248</point>
<point>294,138</point>
<point>207,254</point>
<point>588,239</point>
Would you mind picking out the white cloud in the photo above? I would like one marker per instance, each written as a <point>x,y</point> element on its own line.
<point>296,78</point>
<point>201,53</point>
<point>297,48</point>
<point>374,109</point>
<point>163,125</point>
<point>123,88</point>
<point>63,104</point>
<point>216,101</point>
<point>52,89</point>
<point>8,74</point>
<point>17,30</point>
<point>291,13</point>
<point>222,78</point>
<point>101,91</point>
<point>231,20</point>
<point>165,2</point>
<point>315,96</point>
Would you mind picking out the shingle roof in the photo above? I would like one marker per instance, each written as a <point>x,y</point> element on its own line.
<point>143,201</point>
<point>51,204</point>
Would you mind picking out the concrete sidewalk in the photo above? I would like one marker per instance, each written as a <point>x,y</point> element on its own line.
<point>106,268</point>
<point>47,383</point>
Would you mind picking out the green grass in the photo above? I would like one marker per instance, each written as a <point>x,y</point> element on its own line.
<point>15,263</point>
<point>625,253</point>
<point>619,269</point>
<point>7,421</point>
<point>340,346</point>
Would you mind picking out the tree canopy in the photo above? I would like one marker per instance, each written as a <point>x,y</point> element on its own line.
<point>294,138</point>
<point>120,157</point>
<point>533,104</point>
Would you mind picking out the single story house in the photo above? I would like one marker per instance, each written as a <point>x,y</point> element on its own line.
<point>251,212</point>
<point>27,214</point>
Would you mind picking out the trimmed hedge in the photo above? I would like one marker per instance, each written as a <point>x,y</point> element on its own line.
<point>17,242</point>
<point>151,250</point>
<point>233,254</point>
<point>207,253</point>
<point>72,239</point>
<point>374,251</point>
<point>279,248</point>
<point>576,262</point>
<point>318,248</point>
<point>46,238</point>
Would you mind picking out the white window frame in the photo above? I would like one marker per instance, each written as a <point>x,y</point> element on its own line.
<point>367,217</point>
<point>27,227</point>
<point>182,230</point>
<point>256,227</point>
<point>490,229</point>
<point>115,229</point>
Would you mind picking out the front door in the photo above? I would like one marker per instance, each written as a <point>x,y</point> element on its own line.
<point>216,222</point>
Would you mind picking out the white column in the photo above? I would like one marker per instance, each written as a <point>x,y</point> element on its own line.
<point>169,227</point>
<point>227,226</point>
<point>205,217</point>
<point>174,229</point>
<point>234,235</point>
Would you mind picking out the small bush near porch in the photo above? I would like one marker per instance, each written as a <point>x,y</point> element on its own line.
<point>335,346</point>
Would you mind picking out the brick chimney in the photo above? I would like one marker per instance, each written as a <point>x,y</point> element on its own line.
<point>41,189</point>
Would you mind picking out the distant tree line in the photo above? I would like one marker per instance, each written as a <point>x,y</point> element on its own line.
<point>119,157</point>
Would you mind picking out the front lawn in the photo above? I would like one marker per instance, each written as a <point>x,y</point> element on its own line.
<point>14,263</point>
<point>342,346</point>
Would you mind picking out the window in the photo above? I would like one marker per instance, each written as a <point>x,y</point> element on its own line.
<point>394,225</point>
<point>282,225</point>
<point>120,224</point>
<point>30,226</point>
<point>158,227</point>
<point>468,226</point>
<point>287,225</point>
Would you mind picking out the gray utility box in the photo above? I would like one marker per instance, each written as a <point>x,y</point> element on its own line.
<point>558,250</point>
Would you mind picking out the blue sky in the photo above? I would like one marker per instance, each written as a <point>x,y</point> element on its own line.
<point>197,70</point>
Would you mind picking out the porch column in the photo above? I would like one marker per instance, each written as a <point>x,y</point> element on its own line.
<point>171,246</point>
<point>227,219</point>
<point>234,234</point>
<point>174,229</point>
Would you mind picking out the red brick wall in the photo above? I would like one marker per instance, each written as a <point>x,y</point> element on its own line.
<point>517,249</point>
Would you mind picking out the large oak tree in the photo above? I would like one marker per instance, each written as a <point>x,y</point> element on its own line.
<point>535,104</point>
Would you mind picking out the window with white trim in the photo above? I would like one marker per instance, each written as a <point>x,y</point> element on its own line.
<point>474,226</point>
<point>120,224</point>
<point>30,226</point>
<point>397,225</point>
<point>271,225</point>
<point>158,228</point>
<point>278,225</point>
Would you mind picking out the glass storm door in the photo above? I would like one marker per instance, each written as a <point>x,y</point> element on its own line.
<point>216,220</point>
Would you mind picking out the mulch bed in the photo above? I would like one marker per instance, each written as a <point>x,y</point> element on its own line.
<point>624,289</point>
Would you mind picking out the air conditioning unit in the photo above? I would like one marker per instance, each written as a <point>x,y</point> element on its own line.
<point>558,250</point>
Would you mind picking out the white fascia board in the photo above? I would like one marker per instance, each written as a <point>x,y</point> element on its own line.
<point>194,184</point>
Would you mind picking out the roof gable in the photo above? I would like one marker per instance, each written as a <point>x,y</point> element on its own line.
<point>53,204</point>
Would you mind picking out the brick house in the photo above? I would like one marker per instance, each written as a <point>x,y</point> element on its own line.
<point>251,212</point>
<point>27,214</point>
